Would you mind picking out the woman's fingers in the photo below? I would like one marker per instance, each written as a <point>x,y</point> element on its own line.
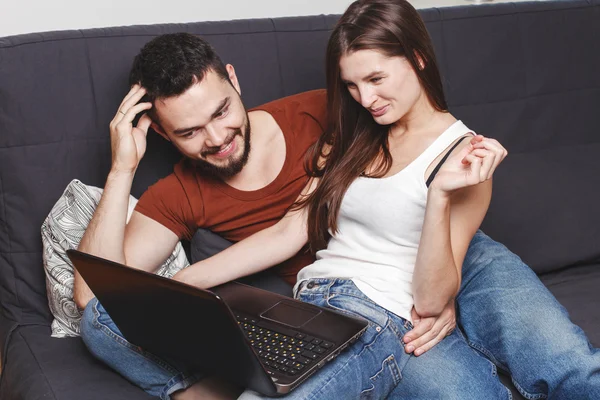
<point>419,335</point>
<point>443,332</point>
<point>477,139</point>
<point>474,162</point>
<point>488,162</point>
<point>494,146</point>
<point>428,332</point>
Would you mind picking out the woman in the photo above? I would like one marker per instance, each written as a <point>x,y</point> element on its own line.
<point>399,189</point>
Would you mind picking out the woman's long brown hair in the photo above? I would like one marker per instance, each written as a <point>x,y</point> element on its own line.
<point>356,142</point>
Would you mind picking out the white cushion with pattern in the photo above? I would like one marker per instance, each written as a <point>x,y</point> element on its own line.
<point>63,230</point>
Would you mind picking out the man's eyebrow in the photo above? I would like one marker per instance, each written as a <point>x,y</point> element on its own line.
<point>220,108</point>
<point>184,130</point>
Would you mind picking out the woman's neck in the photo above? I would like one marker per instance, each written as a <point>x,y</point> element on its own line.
<point>423,118</point>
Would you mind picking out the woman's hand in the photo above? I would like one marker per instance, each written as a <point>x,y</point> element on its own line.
<point>428,332</point>
<point>471,165</point>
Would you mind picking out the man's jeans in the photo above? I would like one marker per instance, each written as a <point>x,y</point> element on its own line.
<point>506,315</point>
<point>104,340</point>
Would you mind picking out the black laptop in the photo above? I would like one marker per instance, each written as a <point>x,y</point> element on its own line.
<point>257,339</point>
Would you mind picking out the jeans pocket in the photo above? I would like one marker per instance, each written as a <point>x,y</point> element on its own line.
<point>362,308</point>
<point>383,382</point>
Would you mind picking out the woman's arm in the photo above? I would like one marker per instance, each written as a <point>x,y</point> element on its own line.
<point>457,201</point>
<point>257,252</point>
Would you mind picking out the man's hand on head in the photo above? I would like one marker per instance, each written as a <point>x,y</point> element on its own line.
<point>128,142</point>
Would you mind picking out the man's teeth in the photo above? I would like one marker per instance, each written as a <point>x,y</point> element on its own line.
<point>226,148</point>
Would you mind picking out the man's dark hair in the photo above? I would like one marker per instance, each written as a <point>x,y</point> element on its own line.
<point>170,64</point>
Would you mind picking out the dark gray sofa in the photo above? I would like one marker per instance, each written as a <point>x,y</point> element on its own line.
<point>527,74</point>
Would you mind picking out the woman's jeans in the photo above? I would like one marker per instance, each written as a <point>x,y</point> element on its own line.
<point>507,319</point>
<point>377,367</point>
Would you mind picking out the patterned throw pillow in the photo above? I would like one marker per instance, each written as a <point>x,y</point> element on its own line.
<point>62,230</point>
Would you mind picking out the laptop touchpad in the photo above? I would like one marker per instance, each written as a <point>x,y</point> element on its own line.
<point>290,314</point>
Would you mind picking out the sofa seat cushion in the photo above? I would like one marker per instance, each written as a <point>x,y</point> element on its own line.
<point>576,288</point>
<point>41,367</point>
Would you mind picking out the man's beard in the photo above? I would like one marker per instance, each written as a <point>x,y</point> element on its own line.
<point>232,166</point>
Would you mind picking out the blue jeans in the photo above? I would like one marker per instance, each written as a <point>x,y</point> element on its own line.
<point>504,311</point>
<point>104,340</point>
<point>509,316</point>
<point>377,367</point>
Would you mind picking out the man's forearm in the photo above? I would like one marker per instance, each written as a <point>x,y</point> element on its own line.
<point>104,236</point>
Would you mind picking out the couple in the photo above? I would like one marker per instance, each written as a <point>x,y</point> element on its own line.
<point>395,192</point>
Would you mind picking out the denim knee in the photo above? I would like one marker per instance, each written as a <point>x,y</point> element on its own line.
<point>151,373</point>
<point>86,326</point>
<point>483,250</point>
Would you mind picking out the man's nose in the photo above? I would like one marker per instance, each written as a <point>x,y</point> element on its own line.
<point>215,137</point>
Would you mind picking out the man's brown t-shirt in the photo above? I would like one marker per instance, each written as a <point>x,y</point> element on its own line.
<point>185,201</point>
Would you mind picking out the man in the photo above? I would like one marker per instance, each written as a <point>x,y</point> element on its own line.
<point>241,172</point>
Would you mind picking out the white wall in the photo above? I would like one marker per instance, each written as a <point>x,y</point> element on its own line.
<point>24,16</point>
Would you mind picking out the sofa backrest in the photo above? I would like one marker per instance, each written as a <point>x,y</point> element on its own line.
<point>525,73</point>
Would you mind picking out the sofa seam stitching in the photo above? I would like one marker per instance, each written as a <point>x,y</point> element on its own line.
<point>4,212</point>
<point>93,87</point>
<point>99,139</point>
<point>117,36</point>
<point>10,253</point>
<point>276,34</point>
<point>566,91</point>
<point>22,252</point>
<point>38,363</point>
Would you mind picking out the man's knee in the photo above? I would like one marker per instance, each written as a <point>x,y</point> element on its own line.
<point>484,252</point>
<point>87,326</point>
<point>97,330</point>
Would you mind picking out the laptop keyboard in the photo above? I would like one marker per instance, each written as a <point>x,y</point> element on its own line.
<point>283,350</point>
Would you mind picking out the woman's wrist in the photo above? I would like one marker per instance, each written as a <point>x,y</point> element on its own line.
<point>438,196</point>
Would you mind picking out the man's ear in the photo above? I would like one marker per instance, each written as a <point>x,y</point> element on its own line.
<point>157,128</point>
<point>233,78</point>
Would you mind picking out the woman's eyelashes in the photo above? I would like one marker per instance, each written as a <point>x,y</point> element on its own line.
<point>375,80</point>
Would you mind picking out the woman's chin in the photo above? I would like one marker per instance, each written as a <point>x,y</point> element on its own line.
<point>384,119</point>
